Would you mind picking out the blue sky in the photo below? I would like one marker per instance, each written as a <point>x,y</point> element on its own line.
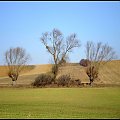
<point>22,23</point>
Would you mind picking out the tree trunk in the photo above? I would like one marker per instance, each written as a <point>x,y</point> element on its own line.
<point>91,82</point>
<point>13,83</point>
<point>14,79</point>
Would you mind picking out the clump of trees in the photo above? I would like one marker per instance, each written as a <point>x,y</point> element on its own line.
<point>58,47</point>
<point>16,59</point>
<point>98,54</point>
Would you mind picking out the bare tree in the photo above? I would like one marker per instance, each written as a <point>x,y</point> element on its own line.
<point>98,55</point>
<point>16,59</point>
<point>58,47</point>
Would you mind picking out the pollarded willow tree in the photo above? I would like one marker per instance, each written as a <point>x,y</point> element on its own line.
<point>59,47</point>
<point>97,55</point>
<point>16,59</point>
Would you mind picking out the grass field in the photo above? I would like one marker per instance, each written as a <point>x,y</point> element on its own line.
<point>60,102</point>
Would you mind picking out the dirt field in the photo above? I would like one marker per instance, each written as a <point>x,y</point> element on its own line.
<point>109,74</point>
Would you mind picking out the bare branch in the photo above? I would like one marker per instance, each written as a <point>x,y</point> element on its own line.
<point>16,59</point>
<point>97,55</point>
<point>57,46</point>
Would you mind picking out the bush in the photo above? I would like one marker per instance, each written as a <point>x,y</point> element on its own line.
<point>64,80</point>
<point>42,80</point>
<point>75,82</point>
<point>84,62</point>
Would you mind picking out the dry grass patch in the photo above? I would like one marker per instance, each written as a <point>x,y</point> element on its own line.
<point>108,74</point>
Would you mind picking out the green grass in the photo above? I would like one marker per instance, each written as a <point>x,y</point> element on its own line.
<point>60,102</point>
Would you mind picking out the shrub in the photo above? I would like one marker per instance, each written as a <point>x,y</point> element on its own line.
<point>64,80</point>
<point>42,80</point>
<point>75,82</point>
<point>84,62</point>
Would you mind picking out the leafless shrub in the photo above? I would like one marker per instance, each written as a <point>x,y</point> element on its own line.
<point>64,80</point>
<point>42,80</point>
